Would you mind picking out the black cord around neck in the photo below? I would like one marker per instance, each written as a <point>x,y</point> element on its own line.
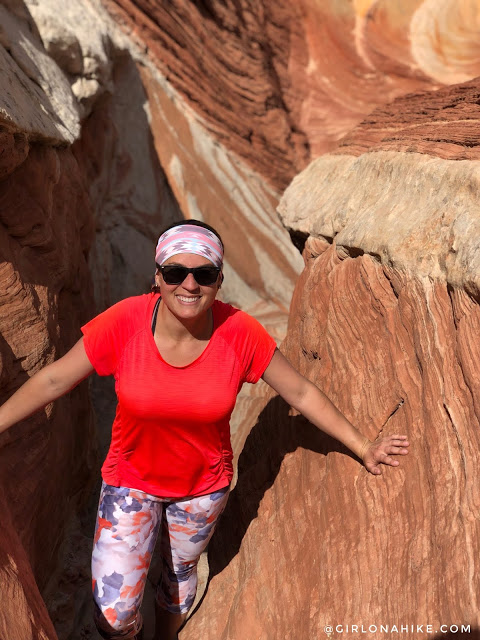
<point>154,316</point>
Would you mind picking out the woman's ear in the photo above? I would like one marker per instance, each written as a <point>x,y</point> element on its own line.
<point>156,284</point>
<point>221,280</point>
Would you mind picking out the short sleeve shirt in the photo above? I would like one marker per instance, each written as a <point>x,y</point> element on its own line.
<point>171,433</point>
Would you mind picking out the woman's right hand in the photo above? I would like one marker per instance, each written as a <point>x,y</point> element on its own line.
<point>381,451</point>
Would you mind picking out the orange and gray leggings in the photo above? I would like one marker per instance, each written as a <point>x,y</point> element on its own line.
<point>128,523</point>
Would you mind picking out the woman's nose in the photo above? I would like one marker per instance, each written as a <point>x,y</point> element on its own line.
<point>190,282</point>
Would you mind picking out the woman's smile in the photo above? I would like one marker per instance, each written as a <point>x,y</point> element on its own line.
<point>187,299</point>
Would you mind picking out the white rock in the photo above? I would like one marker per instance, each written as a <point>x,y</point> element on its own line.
<point>35,96</point>
<point>410,210</point>
<point>80,43</point>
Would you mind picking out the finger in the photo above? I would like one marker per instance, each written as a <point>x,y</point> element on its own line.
<point>374,469</point>
<point>397,450</point>
<point>390,461</point>
<point>399,442</point>
<point>388,445</point>
<point>396,442</point>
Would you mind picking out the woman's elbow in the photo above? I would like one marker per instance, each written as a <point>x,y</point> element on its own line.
<point>301,394</point>
<point>49,386</point>
<point>57,380</point>
<point>296,393</point>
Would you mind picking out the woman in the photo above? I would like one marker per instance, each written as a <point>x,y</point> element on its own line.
<point>179,358</point>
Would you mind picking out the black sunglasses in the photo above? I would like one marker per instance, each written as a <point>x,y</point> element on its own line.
<point>176,274</point>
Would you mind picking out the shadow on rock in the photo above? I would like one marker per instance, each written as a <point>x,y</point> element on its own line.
<point>275,434</point>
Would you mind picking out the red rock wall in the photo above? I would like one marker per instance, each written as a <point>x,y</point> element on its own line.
<point>215,111</point>
<point>231,63</point>
<point>282,82</point>
<point>385,319</point>
<point>446,127</point>
<point>23,615</point>
<point>46,462</point>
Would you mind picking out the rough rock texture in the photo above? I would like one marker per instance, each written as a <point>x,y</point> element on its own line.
<point>446,127</point>
<point>385,318</point>
<point>282,82</point>
<point>78,80</point>
<point>23,615</point>
<point>234,50</point>
<point>46,461</point>
<point>208,109</point>
<point>35,98</point>
<point>79,43</point>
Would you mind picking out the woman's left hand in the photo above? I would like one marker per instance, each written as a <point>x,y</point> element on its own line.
<point>380,452</point>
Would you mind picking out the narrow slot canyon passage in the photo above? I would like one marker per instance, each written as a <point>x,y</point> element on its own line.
<point>335,148</point>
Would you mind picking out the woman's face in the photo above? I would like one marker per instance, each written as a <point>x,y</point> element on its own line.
<point>188,300</point>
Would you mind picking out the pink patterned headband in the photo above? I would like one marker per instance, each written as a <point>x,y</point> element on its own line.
<point>188,238</point>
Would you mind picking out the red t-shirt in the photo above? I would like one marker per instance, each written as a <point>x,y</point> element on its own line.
<point>171,433</point>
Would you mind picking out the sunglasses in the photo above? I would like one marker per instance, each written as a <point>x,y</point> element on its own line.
<point>176,274</point>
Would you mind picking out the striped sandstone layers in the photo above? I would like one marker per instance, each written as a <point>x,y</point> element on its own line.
<point>385,318</point>
<point>279,83</point>
<point>203,109</point>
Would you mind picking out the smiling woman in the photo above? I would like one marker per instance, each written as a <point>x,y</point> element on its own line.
<point>179,358</point>
<point>188,299</point>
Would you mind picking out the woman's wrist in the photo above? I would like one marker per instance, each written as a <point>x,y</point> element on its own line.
<point>365,444</point>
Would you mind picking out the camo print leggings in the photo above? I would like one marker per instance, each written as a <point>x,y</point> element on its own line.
<point>128,523</point>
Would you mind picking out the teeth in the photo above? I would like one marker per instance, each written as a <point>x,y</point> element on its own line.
<point>184,299</point>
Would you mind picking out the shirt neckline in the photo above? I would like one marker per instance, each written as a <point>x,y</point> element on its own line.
<point>204,353</point>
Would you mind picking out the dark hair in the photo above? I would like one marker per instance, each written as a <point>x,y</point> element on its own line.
<point>196,223</point>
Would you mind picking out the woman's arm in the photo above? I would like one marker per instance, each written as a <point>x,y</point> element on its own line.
<point>47,385</point>
<point>317,408</point>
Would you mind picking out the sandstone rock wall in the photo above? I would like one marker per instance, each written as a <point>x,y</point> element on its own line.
<point>282,82</point>
<point>46,462</point>
<point>109,130</point>
<point>385,318</point>
<point>81,179</point>
<point>46,293</point>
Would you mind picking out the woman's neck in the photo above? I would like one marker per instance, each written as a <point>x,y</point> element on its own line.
<point>181,329</point>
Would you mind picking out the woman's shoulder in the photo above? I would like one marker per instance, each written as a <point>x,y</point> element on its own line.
<point>247,338</point>
<point>226,312</point>
<point>143,301</point>
<point>129,310</point>
<point>233,320</point>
